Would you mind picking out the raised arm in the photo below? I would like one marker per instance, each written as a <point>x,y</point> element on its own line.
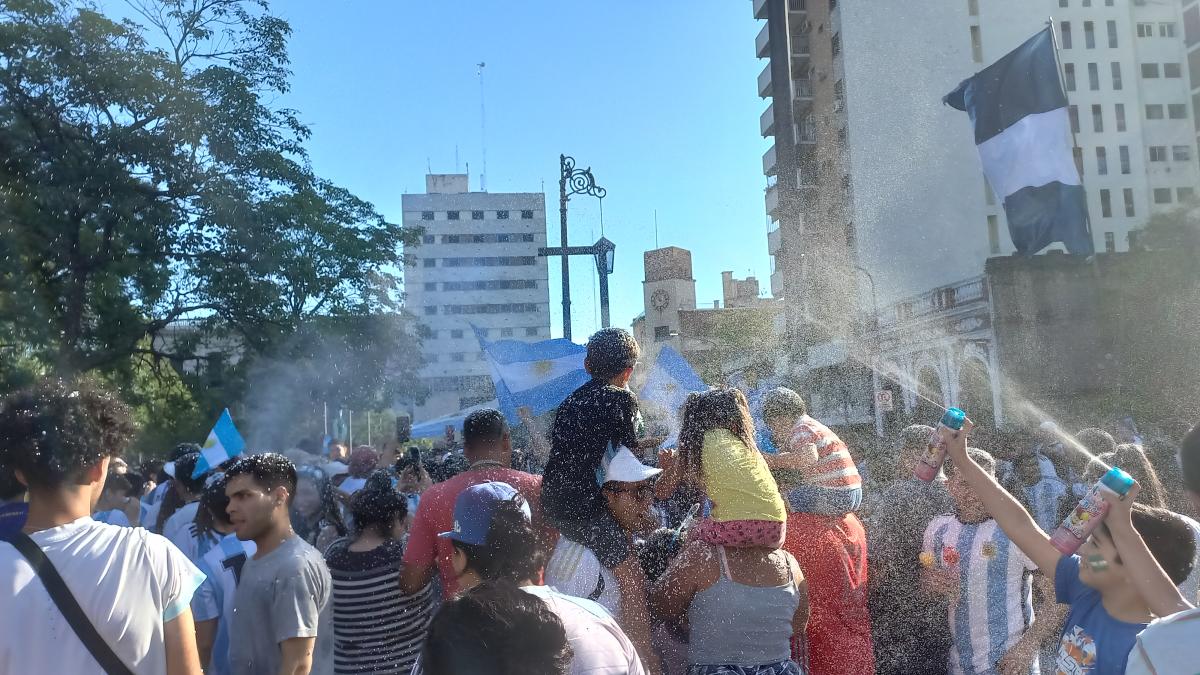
<point>1008,512</point>
<point>1147,576</point>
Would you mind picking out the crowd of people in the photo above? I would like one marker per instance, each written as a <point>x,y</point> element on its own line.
<point>745,548</point>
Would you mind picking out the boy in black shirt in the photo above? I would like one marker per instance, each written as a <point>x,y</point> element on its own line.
<point>591,424</point>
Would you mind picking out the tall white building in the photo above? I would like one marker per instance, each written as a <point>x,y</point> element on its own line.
<point>870,170</point>
<point>477,266</point>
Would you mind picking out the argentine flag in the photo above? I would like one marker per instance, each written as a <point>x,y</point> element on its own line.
<point>667,386</point>
<point>223,444</point>
<point>1019,110</point>
<point>539,375</point>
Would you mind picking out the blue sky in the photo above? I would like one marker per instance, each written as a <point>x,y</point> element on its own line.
<point>659,98</point>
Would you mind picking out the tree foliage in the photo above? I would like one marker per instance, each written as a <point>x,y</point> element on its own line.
<point>147,177</point>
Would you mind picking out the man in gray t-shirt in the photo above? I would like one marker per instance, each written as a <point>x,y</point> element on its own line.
<point>282,615</point>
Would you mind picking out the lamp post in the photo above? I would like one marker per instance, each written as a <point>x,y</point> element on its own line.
<point>603,252</point>
<point>571,181</point>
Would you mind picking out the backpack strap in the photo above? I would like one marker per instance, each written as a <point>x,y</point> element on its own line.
<point>66,603</point>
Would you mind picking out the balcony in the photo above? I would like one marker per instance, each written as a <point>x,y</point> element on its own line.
<point>769,162</point>
<point>774,242</point>
<point>801,46</point>
<point>772,200</point>
<point>802,89</point>
<point>798,6</point>
<point>806,134</point>
<point>766,121</point>
<point>762,43</point>
<point>777,288</point>
<point>764,82</point>
<point>760,9</point>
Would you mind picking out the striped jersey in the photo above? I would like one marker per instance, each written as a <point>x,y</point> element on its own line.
<point>222,567</point>
<point>575,570</point>
<point>834,486</point>
<point>1045,497</point>
<point>377,629</point>
<point>995,599</point>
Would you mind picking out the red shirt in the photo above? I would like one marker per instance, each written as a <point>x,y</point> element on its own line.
<point>435,515</point>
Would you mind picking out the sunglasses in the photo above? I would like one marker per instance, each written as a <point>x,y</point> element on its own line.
<point>641,493</point>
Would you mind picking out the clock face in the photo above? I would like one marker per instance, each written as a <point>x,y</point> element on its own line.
<point>659,300</point>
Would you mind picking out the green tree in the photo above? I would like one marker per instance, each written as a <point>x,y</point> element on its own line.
<point>1176,229</point>
<point>146,177</point>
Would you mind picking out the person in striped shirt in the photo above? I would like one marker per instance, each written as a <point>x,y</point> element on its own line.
<point>988,582</point>
<point>822,489</point>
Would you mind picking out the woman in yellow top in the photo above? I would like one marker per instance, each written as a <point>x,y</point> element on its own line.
<point>717,451</point>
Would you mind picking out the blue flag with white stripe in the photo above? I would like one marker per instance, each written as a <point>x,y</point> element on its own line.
<point>539,375</point>
<point>668,384</point>
<point>1022,131</point>
<point>223,444</point>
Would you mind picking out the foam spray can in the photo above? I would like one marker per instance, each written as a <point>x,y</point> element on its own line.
<point>1090,512</point>
<point>935,453</point>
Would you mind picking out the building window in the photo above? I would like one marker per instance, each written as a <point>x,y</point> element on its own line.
<point>1073,113</point>
<point>1124,152</point>
<point>1166,29</point>
<point>1112,34</point>
<point>477,215</point>
<point>1181,153</point>
<point>452,215</point>
<point>1177,111</point>
<point>506,332</point>
<point>430,310</point>
<point>993,225</point>
<point>1105,204</point>
<point>1120,117</point>
<point>1069,75</point>
<point>1102,161</point>
<point>1154,111</point>
<point>1162,195</point>
<point>527,237</point>
<point>430,262</point>
<point>531,332</point>
<point>976,45</point>
<point>427,239</point>
<point>1145,30</point>
<point>1108,3</point>
<point>1186,194</point>
<point>503,238</point>
<point>1110,242</point>
<point>973,7</point>
<point>431,285</point>
<point>1089,34</point>
<point>1065,30</point>
<point>1116,76</point>
<point>1062,3</point>
<point>431,358</point>
<point>662,333</point>
<point>1129,211</point>
<point>1158,153</point>
<point>1077,152</point>
<point>427,215</point>
<point>456,333</point>
<point>526,214</point>
<point>836,43</point>
<point>502,215</point>
<point>458,357</point>
<point>479,239</point>
<point>1093,77</point>
<point>1149,70</point>
<point>1097,118</point>
<point>1172,70</point>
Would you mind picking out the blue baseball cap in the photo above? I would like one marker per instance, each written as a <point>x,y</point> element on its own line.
<point>473,511</point>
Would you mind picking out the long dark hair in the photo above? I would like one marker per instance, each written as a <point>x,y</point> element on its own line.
<point>330,513</point>
<point>719,408</point>
<point>377,505</point>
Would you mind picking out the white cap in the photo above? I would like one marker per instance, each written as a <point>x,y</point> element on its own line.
<point>623,467</point>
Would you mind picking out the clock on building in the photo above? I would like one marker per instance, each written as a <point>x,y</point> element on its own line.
<point>659,300</point>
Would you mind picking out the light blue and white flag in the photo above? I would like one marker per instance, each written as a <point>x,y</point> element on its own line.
<point>1019,110</point>
<point>539,375</point>
<point>667,386</point>
<point>223,444</point>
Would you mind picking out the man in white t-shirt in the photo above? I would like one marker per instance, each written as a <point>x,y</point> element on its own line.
<point>574,569</point>
<point>133,586</point>
<point>1172,644</point>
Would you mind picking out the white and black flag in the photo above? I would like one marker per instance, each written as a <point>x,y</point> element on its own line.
<point>1019,110</point>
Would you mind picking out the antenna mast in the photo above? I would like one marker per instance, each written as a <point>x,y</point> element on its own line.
<point>482,128</point>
